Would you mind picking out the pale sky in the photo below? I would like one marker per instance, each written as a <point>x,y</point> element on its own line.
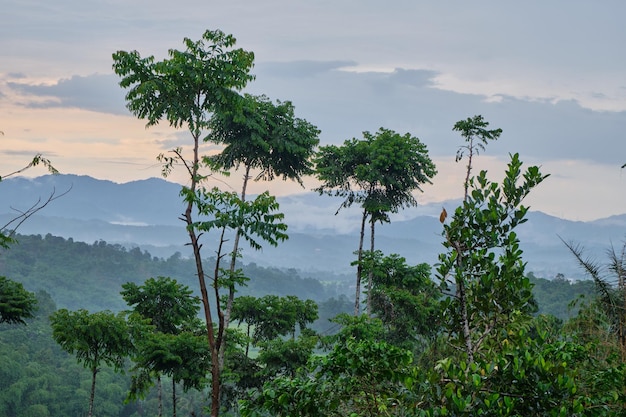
<point>552,75</point>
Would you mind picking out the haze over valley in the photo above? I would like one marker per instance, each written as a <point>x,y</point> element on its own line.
<point>146,213</point>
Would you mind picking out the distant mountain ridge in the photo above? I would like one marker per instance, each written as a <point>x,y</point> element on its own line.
<point>146,213</point>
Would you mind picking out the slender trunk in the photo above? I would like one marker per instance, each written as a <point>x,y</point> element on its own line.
<point>233,264</point>
<point>469,170</point>
<point>467,335</point>
<point>370,274</point>
<point>247,339</point>
<point>160,395</point>
<point>359,267</point>
<point>94,371</point>
<point>621,285</point>
<point>219,342</point>
<point>173,398</point>
<point>195,244</point>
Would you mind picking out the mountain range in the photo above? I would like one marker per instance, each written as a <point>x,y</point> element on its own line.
<point>146,214</point>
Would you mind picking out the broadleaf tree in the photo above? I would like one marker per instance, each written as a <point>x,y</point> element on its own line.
<point>186,90</point>
<point>171,308</point>
<point>95,339</point>
<point>266,138</point>
<point>380,173</point>
<point>483,258</point>
<point>16,304</point>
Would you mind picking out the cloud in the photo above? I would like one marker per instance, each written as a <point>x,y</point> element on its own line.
<point>99,93</point>
<point>345,103</point>
<point>302,69</point>
<point>25,153</point>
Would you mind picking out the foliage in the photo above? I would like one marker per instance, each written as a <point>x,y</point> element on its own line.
<point>284,357</point>
<point>264,136</point>
<point>492,284</point>
<point>89,275</point>
<point>538,372</point>
<point>16,304</point>
<point>403,297</point>
<point>96,339</point>
<point>357,378</point>
<point>610,284</point>
<point>558,297</point>
<point>36,374</point>
<point>380,173</point>
<point>169,346</point>
<point>474,131</point>
<point>166,303</point>
<point>272,316</point>
<point>185,88</point>
<point>254,219</point>
<point>483,259</point>
<point>182,356</point>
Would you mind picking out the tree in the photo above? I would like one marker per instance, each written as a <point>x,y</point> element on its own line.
<point>169,307</point>
<point>263,136</point>
<point>183,356</point>
<point>474,131</point>
<point>380,173</point>
<point>483,258</point>
<point>96,339</point>
<point>404,298</point>
<point>186,89</point>
<point>168,304</point>
<point>272,316</point>
<point>16,304</point>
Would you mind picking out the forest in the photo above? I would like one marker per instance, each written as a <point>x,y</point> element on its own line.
<point>103,330</point>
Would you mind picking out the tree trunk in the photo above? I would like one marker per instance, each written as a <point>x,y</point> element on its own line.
<point>160,395</point>
<point>370,274</point>
<point>233,264</point>
<point>359,267</point>
<point>173,398</point>
<point>92,395</point>
<point>195,244</point>
<point>467,335</point>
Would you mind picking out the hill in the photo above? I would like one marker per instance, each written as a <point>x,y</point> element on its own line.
<point>145,214</point>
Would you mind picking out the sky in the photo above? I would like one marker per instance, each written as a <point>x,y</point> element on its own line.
<point>551,75</point>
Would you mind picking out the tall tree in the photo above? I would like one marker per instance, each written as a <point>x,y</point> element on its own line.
<point>483,258</point>
<point>267,138</point>
<point>186,90</point>
<point>96,339</point>
<point>477,136</point>
<point>169,306</point>
<point>380,173</point>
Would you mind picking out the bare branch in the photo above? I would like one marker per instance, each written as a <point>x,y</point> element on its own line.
<point>25,214</point>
